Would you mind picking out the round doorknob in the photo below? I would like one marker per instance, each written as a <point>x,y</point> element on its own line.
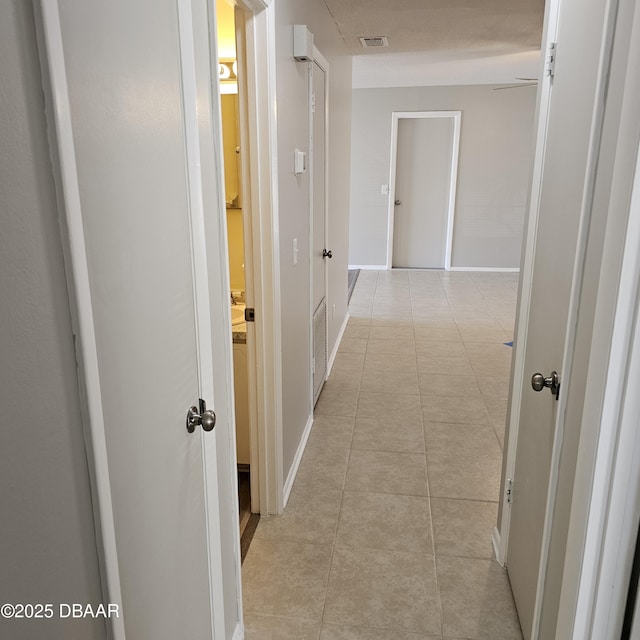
<point>537,382</point>
<point>552,382</point>
<point>397,202</point>
<point>208,420</point>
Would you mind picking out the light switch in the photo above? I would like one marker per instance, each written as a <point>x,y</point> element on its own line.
<point>299,162</point>
<point>384,190</point>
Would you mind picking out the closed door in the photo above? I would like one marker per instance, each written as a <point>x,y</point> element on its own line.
<point>320,252</point>
<point>132,120</point>
<point>422,191</point>
<point>561,200</point>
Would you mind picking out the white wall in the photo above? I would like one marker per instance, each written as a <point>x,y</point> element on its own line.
<point>442,68</point>
<point>493,176</point>
<point>293,133</point>
<point>47,541</point>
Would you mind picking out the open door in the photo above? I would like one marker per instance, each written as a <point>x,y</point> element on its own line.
<point>131,152</point>
<point>570,152</point>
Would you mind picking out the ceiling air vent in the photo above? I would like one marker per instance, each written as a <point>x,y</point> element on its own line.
<point>374,41</point>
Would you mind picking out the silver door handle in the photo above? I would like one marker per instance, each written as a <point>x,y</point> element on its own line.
<point>552,382</point>
<point>200,416</point>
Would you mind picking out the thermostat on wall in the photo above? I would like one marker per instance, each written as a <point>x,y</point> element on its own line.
<point>302,43</point>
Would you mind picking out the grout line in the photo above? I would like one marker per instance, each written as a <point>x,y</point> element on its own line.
<point>430,510</point>
<point>333,550</point>
<point>344,483</point>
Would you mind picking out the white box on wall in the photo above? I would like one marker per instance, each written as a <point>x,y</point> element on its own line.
<point>302,43</point>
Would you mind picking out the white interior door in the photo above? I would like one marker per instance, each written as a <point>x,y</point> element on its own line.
<point>131,70</point>
<point>320,251</point>
<point>422,192</point>
<point>562,197</point>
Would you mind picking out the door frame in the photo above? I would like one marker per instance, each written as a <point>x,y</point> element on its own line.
<point>58,112</point>
<point>613,476</point>
<point>606,512</point>
<point>322,62</point>
<point>396,116</point>
<point>256,52</point>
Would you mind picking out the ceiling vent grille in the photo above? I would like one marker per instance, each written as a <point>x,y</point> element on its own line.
<point>374,41</point>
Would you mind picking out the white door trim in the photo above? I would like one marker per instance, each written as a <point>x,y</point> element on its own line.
<point>395,117</point>
<point>612,526</point>
<point>612,408</point>
<point>259,134</point>
<point>254,5</point>
<point>63,158</point>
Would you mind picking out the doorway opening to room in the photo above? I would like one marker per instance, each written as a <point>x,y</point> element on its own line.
<point>240,276</point>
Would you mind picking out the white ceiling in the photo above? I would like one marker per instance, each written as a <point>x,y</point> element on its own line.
<point>489,26</point>
<point>441,41</point>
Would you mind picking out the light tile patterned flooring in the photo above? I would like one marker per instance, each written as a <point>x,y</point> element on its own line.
<point>387,534</point>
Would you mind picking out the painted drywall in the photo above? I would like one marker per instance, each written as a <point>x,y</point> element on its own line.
<point>48,548</point>
<point>233,191</point>
<point>293,133</point>
<point>226,30</point>
<point>493,176</point>
<point>439,68</point>
<point>235,240</point>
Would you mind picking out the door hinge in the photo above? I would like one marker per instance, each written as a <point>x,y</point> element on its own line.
<point>508,492</point>
<point>313,366</point>
<point>313,103</point>
<point>550,60</point>
<point>249,315</point>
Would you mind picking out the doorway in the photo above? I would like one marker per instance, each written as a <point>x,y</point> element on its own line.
<point>424,167</point>
<point>232,145</point>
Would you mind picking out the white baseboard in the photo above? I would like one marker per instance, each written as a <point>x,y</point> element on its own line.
<point>238,634</point>
<point>288,485</point>
<point>497,548</point>
<point>488,269</point>
<point>334,351</point>
<point>383,267</point>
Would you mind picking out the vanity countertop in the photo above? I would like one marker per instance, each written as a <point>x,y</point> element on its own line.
<point>239,333</point>
<point>238,326</point>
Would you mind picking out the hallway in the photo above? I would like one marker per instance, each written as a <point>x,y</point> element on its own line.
<point>387,534</point>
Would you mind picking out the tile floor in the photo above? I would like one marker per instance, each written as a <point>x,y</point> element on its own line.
<point>387,534</point>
